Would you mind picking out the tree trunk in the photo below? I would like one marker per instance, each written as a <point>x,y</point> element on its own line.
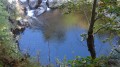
<point>90,39</point>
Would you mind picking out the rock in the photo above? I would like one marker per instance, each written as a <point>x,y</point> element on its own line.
<point>39,11</point>
<point>30,13</point>
<point>33,3</point>
<point>11,5</point>
<point>44,5</point>
<point>12,1</point>
<point>56,3</point>
<point>23,0</point>
<point>38,4</point>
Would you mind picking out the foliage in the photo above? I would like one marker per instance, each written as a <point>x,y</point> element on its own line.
<point>5,34</point>
<point>76,12</point>
<point>9,53</point>
<point>88,62</point>
<point>78,6</point>
<point>9,50</point>
<point>107,19</point>
<point>108,13</point>
<point>7,45</point>
<point>85,62</point>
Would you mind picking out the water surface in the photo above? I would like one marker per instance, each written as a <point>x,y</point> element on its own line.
<point>54,39</point>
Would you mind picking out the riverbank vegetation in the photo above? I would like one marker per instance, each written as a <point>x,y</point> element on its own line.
<point>104,16</point>
<point>9,53</point>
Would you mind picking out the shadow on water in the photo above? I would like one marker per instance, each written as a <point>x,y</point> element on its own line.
<point>58,39</point>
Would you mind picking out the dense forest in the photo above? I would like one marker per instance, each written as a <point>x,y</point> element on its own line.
<point>59,33</point>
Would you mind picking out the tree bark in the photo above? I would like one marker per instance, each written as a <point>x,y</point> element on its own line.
<point>90,39</point>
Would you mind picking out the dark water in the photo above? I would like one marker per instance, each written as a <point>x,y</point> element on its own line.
<point>56,41</point>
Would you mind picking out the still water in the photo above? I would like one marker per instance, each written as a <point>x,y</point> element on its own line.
<point>56,40</point>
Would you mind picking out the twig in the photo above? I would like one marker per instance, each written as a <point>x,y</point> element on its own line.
<point>99,29</point>
<point>117,50</point>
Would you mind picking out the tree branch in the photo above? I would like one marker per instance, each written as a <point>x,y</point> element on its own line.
<point>100,29</point>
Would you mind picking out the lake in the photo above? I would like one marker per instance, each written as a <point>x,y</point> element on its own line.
<point>51,38</point>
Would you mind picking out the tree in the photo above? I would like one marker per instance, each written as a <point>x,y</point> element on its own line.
<point>8,48</point>
<point>108,7</point>
<point>90,39</point>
